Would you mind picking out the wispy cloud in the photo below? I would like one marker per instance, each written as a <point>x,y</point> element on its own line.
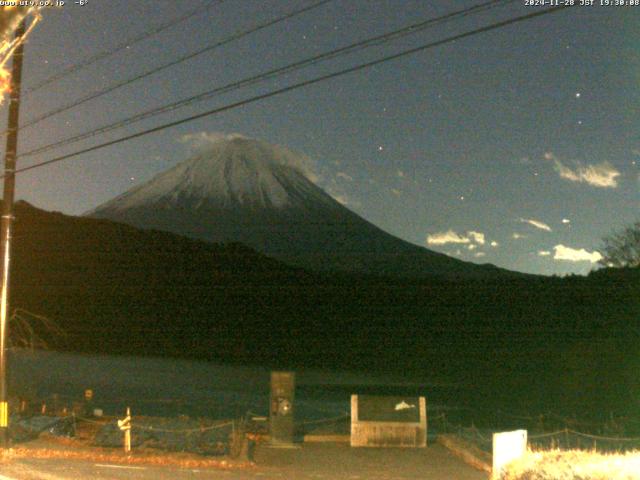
<point>494,244</point>
<point>544,253</point>
<point>340,198</point>
<point>473,239</point>
<point>480,254</point>
<point>201,142</point>
<point>443,238</point>
<point>569,254</point>
<point>334,189</point>
<point>536,223</point>
<point>477,237</point>
<point>344,176</point>
<point>602,175</point>
<point>396,192</point>
<point>518,236</point>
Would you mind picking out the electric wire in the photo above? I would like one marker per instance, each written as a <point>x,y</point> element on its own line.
<point>298,85</point>
<point>277,72</point>
<point>235,36</point>
<point>121,46</point>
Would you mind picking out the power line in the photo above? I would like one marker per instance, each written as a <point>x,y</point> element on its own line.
<point>121,46</point>
<point>296,86</point>
<point>374,41</point>
<point>235,36</point>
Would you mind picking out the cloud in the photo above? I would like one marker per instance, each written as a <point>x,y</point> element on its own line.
<point>477,237</point>
<point>450,236</point>
<point>536,223</point>
<point>396,192</point>
<point>341,199</point>
<point>472,246</point>
<point>544,253</point>
<point>344,176</point>
<point>338,193</point>
<point>494,244</point>
<point>201,142</point>
<point>443,238</point>
<point>602,175</point>
<point>566,221</point>
<point>480,254</point>
<point>518,236</point>
<point>575,255</point>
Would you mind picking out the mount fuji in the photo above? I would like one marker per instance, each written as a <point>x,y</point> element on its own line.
<point>249,191</point>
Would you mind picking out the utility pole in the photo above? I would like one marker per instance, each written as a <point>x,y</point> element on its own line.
<point>5,226</point>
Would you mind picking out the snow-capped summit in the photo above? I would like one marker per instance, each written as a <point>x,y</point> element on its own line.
<point>244,190</point>
<point>233,172</point>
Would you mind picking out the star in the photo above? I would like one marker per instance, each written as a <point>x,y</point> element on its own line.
<point>380,148</point>
<point>578,94</point>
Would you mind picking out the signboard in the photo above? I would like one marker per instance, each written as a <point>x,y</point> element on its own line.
<point>388,421</point>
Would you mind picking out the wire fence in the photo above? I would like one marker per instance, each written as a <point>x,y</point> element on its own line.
<point>565,437</point>
<point>213,433</point>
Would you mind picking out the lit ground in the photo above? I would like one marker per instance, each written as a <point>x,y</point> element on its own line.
<point>310,461</point>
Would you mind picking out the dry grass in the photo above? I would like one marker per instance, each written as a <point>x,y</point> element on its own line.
<point>574,465</point>
<point>71,449</point>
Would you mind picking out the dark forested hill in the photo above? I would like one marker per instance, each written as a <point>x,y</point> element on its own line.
<point>115,289</point>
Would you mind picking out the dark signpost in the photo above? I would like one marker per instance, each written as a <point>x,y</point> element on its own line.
<point>281,424</point>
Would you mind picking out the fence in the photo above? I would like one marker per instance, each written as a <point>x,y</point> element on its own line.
<point>198,432</point>
<point>565,436</point>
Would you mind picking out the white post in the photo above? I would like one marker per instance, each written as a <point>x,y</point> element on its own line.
<point>507,447</point>
<point>125,426</point>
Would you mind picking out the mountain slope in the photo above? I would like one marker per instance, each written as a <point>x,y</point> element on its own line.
<point>244,190</point>
<point>537,340</point>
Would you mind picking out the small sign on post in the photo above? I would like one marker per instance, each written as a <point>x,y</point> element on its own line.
<point>507,447</point>
<point>125,426</point>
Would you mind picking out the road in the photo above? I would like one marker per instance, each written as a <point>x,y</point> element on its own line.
<point>310,462</point>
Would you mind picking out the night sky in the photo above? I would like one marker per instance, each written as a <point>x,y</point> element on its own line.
<point>519,147</point>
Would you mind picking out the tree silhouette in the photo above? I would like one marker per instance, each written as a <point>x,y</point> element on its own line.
<point>622,249</point>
